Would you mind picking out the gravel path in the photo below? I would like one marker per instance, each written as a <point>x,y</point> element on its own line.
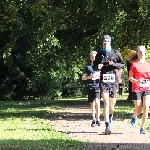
<point>75,122</point>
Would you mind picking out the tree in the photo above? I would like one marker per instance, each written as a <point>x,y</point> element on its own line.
<point>45,40</point>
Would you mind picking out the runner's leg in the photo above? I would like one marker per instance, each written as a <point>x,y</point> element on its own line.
<point>97,101</point>
<point>93,109</point>
<point>97,108</point>
<point>93,113</point>
<point>146,104</point>
<point>112,102</point>
<point>91,100</point>
<point>106,106</point>
<point>137,111</point>
<point>138,108</point>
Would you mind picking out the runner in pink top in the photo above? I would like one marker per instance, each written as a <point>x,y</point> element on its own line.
<point>139,75</point>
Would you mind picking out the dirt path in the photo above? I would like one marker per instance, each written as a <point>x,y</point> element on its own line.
<point>75,122</point>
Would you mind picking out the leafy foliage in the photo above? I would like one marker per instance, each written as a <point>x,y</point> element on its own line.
<point>44,41</point>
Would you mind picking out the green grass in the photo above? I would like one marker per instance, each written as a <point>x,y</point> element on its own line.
<point>23,127</point>
<point>123,108</point>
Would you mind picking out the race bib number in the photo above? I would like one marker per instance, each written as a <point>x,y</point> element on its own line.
<point>145,83</point>
<point>96,75</point>
<point>108,78</point>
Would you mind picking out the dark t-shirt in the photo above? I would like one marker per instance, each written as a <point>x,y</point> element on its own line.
<point>90,69</point>
<point>109,72</point>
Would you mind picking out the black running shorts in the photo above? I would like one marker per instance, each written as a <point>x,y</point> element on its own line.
<point>139,95</point>
<point>120,91</point>
<point>93,93</point>
<point>109,88</point>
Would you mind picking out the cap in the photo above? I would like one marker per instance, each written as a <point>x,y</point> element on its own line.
<point>106,37</point>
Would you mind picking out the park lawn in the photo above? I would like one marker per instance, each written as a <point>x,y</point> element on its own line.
<point>24,126</point>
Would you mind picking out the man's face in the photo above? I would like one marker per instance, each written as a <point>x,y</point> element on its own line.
<point>106,43</point>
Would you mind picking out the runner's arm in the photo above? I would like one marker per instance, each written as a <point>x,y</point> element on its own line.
<point>86,74</point>
<point>86,77</point>
<point>132,79</point>
<point>119,62</point>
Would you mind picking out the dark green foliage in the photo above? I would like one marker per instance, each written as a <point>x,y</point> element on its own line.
<point>44,41</point>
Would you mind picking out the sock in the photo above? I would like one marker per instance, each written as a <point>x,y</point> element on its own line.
<point>134,117</point>
<point>107,124</point>
<point>98,119</point>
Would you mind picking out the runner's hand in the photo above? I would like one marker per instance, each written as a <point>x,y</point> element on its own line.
<point>90,77</point>
<point>100,66</point>
<point>138,81</point>
<point>110,62</point>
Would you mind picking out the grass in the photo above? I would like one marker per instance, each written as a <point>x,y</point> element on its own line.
<point>24,126</point>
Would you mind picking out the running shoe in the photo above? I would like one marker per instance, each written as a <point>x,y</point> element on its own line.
<point>93,123</point>
<point>133,121</point>
<point>142,131</point>
<point>107,130</point>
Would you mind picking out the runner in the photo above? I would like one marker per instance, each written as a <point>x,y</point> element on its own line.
<point>92,75</point>
<point>108,61</point>
<point>139,75</point>
<point>132,57</point>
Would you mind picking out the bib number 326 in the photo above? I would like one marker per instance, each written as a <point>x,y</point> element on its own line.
<point>108,78</point>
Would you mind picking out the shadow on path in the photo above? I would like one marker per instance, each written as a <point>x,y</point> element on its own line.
<point>79,110</point>
<point>75,121</point>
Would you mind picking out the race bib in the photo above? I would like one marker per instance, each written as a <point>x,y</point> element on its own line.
<point>145,83</point>
<point>96,75</point>
<point>108,78</point>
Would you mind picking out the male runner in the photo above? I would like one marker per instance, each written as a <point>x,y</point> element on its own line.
<point>109,61</point>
